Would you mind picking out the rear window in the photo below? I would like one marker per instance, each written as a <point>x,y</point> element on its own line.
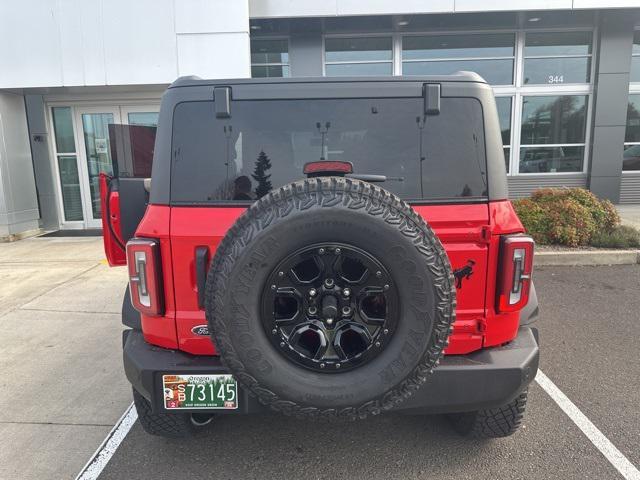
<point>265,144</point>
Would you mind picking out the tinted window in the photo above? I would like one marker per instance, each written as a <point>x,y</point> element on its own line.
<point>632,133</point>
<point>269,58</point>
<point>504,117</point>
<point>489,55</point>
<point>635,59</point>
<point>631,156</point>
<point>557,57</point>
<point>553,119</point>
<point>358,56</point>
<point>458,46</point>
<point>266,143</point>
<point>357,49</point>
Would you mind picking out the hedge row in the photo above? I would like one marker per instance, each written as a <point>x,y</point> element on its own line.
<point>573,217</point>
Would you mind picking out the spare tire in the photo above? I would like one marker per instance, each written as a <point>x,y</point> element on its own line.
<point>330,297</point>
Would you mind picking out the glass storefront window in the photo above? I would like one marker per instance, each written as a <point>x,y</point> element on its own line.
<point>270,58</point>
<point>551,159</point>
<point>358,56</point>
<point>67,163</point>
<point>98,153</point>
<point>631,155</point>
<point>553,119</point>
<point>504,116</point>
<point>635,58</point>
<point>552,133</point>
<point>489,55</point>
<point>70,186</point>
<point>63,126</point>
<point>557,57</point>
<point>147,119</point>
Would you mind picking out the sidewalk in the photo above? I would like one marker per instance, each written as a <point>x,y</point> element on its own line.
<point>630,215</point>
<point>61,354</point>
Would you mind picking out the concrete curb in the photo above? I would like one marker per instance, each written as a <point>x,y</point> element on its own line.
<point>587,257</point>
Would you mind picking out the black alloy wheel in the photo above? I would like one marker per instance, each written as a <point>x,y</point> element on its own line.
<point>330,307</point>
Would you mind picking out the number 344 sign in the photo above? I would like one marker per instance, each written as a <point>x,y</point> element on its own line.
<point>199,392</point>
<point>555,78</point>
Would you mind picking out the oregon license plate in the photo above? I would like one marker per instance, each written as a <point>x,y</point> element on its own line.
<point>199,391</point>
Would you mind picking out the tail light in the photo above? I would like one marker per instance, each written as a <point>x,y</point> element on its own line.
<point>145,279</point>
<point>516,265</point>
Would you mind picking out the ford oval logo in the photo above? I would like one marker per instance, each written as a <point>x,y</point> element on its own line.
<point>202,330</point>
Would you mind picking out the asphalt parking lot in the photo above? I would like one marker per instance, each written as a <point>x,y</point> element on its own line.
<point>74,391</point>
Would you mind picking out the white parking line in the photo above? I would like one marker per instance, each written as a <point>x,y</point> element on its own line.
<point>602,443</point>
<point>101,457</point>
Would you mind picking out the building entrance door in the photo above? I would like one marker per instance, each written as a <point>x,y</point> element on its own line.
<point>95,153</point>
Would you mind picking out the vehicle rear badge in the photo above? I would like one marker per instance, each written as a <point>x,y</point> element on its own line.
<point>463,273</point>
<point>202,330</point>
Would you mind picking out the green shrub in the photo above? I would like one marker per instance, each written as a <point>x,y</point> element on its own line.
<point>621,236</point>
<point>569,216</point>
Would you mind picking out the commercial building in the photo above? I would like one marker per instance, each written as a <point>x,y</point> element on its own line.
<point>566,74</point>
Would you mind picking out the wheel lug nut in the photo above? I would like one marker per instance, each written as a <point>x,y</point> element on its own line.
<point>274,331</point>
<point>346,292</point>
<point>337,365</point>
<point>386,286</point>
<point>273,287</point>
<point>378,274</point>
<point>282,344</point>
<point>281,274</point>
<point>313,310</point>
<point>329,282</point>
<point>321,251</point>
<point>322,365</point>
<point>337,251</point>
<point>329,321</point>
<point>377,344</point>
<point>312,292</point>
<point>385,331</point>
<point>346,311</point>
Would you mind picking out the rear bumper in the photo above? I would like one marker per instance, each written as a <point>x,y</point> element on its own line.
<point>484,379</point>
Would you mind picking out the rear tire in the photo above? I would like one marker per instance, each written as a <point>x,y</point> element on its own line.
<point>493,422</point>
<point>168,425</point>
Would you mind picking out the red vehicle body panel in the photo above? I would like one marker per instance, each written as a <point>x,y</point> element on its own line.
<point>470,234</point>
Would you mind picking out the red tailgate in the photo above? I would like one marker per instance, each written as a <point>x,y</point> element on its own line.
<point>461,228</point>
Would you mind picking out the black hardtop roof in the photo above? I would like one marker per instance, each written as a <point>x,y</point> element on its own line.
<point>194,81</point>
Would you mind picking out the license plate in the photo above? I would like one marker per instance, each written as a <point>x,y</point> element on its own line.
<point>199,391</point>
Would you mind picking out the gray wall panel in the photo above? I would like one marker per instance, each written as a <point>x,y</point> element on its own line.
<point>630,188</point>
<point>523,185</point>
<point>305,55</point>
<point>607,150</point>
<point>610,106</point>
<point>43,171</point>
<point>611,100</point>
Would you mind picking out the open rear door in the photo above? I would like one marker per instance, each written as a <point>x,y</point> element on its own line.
<point>124,196</point>
<point>114,247</point>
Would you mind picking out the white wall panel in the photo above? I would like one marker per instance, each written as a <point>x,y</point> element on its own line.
<point>382,7</point>
<point>600,4</point>
<point>70,28</point>
<point>292,8</point>
<point>29,44</point>
<point>50,43</point>
<point>215,55</point>
<point>92,42</point>
<point>511,5</point>
<point>139,41</point>
<point>211,16</point>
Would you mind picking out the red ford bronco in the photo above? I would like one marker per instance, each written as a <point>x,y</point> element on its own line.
<point>323,248</point>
